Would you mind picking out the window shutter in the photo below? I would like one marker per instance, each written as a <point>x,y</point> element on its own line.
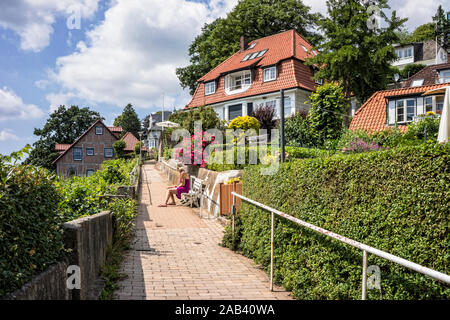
<point>391,112</point>
<point>420,106</point>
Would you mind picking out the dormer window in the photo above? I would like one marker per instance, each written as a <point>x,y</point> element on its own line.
<point>404,53</point>
<point>444,76</point>
<point>269,73</point>
<point>238,82</point>
<point>210,87</point>
<point>417,83</point>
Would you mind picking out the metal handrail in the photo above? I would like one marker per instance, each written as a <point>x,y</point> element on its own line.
<point>365,248</point>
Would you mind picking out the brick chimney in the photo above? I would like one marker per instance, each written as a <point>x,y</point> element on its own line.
<point>244,43</point>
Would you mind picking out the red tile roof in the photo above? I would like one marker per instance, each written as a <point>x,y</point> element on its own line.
<point>130,141</point>
<point>372,114</point>
<point>62,147</point>
<point>283,49</point>
<point>115,129</point>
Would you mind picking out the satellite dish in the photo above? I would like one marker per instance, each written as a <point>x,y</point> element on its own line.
<point>396,77</point>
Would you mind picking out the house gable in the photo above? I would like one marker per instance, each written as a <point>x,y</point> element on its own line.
<point>287,51</point>
<point>376,113</point>
<point>92,142</point>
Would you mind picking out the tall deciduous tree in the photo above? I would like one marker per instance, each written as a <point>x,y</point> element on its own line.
<point>64,125</point>
<point>354,53</point>
<point>129,121</point>
<point>252,18</point>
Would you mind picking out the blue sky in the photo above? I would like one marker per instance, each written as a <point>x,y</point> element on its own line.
<point>125,51</point>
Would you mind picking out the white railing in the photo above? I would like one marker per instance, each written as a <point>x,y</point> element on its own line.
<point>365,248</point>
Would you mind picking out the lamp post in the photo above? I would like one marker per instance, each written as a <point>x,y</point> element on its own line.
<point>140,146</point>
<point>282,142</point>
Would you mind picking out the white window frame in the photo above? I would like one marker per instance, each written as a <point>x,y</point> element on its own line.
<point>89,170</point>
<point>404,53</point>
<point>238,82</point>
<point>405,110</point>
<point>93,152</point>
<point>434,103</point>
<point>209,85</point>
<point>112,152</point>
<point>97,131</point>
<point>272,72</point>
<point>80,149</point>
<point>444,76</point>
<point>417,83</point>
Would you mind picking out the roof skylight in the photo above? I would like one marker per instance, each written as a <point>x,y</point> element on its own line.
<point>254,55</point>
<point>247,57</point>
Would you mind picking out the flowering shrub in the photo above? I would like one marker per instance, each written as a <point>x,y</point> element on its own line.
<point>192,150</point>
<point>359,145</point>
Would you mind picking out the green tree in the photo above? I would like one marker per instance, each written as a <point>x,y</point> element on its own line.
<point>252,18</point>
<point>357,56</point>
<point>326,116</point>
<point>64,125</point>
<point>119,148</point>
<point>442,25</point>
<point>422,33</point>
<point>410,70</point>
<point>129,121</point>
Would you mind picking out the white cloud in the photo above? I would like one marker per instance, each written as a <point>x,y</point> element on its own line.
<point>58,99</point>
<point>32,20</point>
<point>7,135</point>
<point>132,55</point>
<point>12,107</point>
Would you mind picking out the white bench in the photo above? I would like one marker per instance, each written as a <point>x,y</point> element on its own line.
<point>195,191</point>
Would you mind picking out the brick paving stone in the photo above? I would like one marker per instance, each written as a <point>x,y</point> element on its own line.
<point>176,255</point>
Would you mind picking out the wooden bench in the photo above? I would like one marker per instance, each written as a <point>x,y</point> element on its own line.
<point>195,191</point>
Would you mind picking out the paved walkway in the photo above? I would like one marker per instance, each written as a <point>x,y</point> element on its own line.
<point>176,255</point>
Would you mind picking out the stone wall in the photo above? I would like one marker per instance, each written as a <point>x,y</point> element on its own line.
<point>89,238</point>
<point>48,285</point>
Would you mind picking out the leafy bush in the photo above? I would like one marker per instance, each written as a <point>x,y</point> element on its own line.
<point>427,122</point>
<point>124,212</point>
<point>80,195</point>
<point>328,108</point>
<point>119,147</point>
<point>305,153</point>
<point>395,200</point>
<point>167,153</point>
<point>245,123</point>
<point>265,115</point>
<point>297,131</point>
<point>30,232</point>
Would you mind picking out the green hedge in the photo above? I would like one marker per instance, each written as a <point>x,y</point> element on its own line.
<point>394,200</point>
<point>30,225</point>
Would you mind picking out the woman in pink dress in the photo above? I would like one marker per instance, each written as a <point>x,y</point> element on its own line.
<point>183,187</point>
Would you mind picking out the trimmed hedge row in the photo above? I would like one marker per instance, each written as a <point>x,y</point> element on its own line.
<point>30,226</point>
<point>395,200</point>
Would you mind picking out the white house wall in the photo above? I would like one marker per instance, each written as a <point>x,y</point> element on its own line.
<point>298,98</point>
